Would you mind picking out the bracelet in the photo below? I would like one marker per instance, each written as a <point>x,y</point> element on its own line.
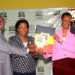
<point>59,41</point>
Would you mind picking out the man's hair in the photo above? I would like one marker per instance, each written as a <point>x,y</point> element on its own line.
<point>66,14</point>
<point>2,17</point>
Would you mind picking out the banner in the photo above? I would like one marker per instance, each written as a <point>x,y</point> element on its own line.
<point>49,17</point>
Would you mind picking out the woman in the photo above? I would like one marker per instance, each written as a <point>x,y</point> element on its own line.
<point>22,65</point>
<point>67,48</point>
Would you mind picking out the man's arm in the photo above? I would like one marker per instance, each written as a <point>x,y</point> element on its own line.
<point>9,49</point>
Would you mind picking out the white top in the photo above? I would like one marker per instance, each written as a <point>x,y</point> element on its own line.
<point>25,44</point>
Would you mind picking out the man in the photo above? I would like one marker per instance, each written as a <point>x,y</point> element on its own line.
<point>6,49</point>
<point>72,28</point>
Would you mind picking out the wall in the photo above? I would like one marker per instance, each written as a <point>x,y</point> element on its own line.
<point>13,4</point>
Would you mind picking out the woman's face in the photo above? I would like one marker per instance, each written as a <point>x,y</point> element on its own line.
<point>22,29</point>
<point>66,22</point>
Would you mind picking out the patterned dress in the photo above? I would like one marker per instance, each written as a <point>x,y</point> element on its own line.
<point>22,64</point>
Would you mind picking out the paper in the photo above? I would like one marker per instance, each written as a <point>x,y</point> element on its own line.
<point>44,38</point>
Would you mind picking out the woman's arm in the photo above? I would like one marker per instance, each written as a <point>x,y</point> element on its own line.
<point>56,37</point>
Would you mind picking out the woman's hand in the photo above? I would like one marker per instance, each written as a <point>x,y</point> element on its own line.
<point>57,39</point>
<point>35,54</point>
<point>32,48</point>
<point>40,51</point>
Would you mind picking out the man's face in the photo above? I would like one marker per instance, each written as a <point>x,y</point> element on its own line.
<point>66,22</point>
<point>1,24</point>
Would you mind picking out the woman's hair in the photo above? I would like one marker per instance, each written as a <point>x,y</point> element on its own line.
<point>66,14</point>
<point>19,22</point>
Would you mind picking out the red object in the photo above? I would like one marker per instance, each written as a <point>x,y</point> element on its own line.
<point>48,48</point>
<point>64,66</point>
